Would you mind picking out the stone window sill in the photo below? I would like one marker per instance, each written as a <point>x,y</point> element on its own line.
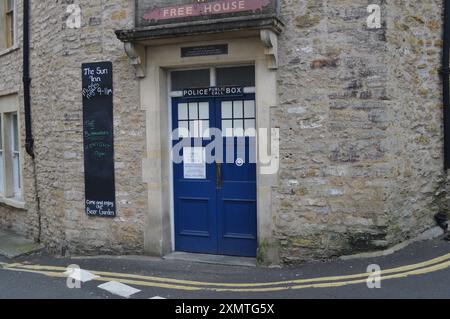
<point>13,202</point>
<point>9,50</point>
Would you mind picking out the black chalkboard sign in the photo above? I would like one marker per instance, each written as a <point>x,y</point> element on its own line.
<point>98,130</point>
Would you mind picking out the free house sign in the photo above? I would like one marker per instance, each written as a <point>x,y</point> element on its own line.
<point>155,12</point>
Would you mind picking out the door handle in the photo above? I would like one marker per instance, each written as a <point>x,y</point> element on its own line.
<point>218,175</point>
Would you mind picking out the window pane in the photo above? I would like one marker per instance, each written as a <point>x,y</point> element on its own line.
<point>227,128</point>
<point>9,22</point>
<point>193,111</point>
<point>204,110</point>
<point>238,110</point>
<point>15,133</point>
<point>2,181</point>
<point>16,174</point>
<point>11,31</point>
<point>249,109</point>
<point>15,155</point>
<point>238,128</point>
<point>193,129</point>
<point>190,79</point>
<point>1,133</point>
<point>3,28</point>
<point>236,76</point>
<point>250,128</point>
<point>204,129</point>
<point>227,110</point>
<point>183,111</point>
<point>183,128</point>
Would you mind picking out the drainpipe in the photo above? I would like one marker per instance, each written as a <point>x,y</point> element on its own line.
<point>445,71</point>
<point>29,143</point>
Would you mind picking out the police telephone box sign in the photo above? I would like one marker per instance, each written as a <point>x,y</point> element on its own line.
<point>228,91</point>
<point>156,12</point>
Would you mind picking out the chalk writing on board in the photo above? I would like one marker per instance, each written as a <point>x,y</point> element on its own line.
<point>100,208</point>
<point>95,78</point>
<point>98,134</point>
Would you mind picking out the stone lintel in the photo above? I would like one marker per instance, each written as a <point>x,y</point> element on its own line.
<point>174,30</point>
<point>267,27</point>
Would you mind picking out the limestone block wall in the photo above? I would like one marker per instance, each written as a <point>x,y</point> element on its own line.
<point>415,48</point>
<point>57,55</point>
<point>361,127</point>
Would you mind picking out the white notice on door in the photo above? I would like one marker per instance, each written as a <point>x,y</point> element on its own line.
<point>194,162</point>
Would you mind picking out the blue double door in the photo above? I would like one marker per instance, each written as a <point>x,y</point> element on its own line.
<point>215,175</point>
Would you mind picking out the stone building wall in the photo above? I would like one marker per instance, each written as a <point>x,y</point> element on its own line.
<point>360,117</point>
<point>361,127</point>
<point>22,221</point>
<point>416,48</point>
<point>59,54</point>
<point>56,57</point>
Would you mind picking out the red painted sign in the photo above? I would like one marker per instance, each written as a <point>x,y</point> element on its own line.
<point>203,9</point>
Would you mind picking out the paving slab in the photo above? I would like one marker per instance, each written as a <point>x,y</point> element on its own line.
<point>13,246</point>
<point>212,259</point>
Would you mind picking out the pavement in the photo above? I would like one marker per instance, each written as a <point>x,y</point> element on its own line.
<point>420,271</point>
<point>12,246</point>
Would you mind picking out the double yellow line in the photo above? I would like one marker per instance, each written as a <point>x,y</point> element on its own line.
<point>433,265</point>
